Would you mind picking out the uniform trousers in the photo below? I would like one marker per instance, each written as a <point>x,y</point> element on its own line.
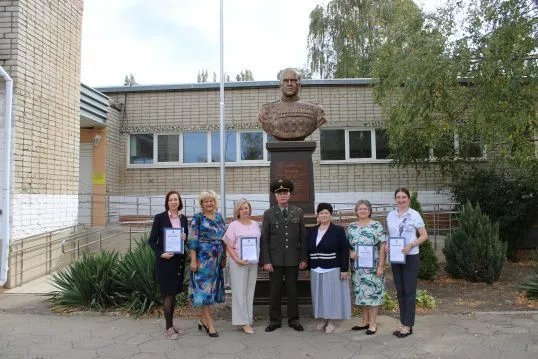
<point>405,280</point>
<point>279,276</point>
<point>243,280</point>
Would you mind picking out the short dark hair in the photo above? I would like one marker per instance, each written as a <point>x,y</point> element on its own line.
<point>402,189</point>
<point>168,197</point>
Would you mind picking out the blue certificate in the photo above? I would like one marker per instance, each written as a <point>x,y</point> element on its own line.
<point>173,243</point>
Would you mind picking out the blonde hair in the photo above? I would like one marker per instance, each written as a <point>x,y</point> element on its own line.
<point>209,194</point>
<point>238,204</point>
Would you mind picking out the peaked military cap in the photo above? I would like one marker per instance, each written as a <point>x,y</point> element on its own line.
<point>281,185</point>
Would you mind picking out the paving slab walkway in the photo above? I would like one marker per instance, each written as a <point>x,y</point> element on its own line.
<point>81,336</point>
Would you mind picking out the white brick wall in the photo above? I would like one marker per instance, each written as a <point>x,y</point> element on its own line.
<point>38,213</point>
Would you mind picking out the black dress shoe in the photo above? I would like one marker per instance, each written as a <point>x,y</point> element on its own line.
<point>272,327</point>
<point>370,332</point>
<point>296,326</point>
<point>356,327</point>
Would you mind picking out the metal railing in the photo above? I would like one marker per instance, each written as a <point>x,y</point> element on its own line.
<point>39,255</point>
<point>25,250</point>
<point>103,234</point>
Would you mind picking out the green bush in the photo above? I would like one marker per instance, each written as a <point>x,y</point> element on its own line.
<point>137,287</point>
<point>530,285</point>
<point>89,283</point>
<point>474,251</point>
<point>425,300</point>
<point>429,264</point>
<point>389,302</point>
<point>508,196</point>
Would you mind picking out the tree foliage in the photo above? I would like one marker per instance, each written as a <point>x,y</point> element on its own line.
<point>343,35</point>
<point>129,80</point>
<point>244,75</point>
<point>452,88</point>
<point>474,251</point>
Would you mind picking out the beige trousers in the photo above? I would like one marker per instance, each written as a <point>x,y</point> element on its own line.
<point>243,280</point>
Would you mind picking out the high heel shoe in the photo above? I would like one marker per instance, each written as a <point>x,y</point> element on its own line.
<point>202,325</point>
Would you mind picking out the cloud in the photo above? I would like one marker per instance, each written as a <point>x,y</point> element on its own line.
<point>166,41</point>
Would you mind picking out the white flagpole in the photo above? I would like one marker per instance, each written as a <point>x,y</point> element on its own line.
<point>222,147</point>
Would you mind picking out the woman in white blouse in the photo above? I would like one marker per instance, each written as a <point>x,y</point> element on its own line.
<point>406,222</point>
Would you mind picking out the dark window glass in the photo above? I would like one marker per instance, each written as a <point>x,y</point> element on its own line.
<point>229,146</point>
<point>360,144</point>
<point>251,146</point>
<point>381,144</point>
<point>168,148</point>
<point>141,149</point>
<point>332,144</point>
<point>194,147</point>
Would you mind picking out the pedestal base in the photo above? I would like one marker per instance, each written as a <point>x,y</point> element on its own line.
<point>293,160</point>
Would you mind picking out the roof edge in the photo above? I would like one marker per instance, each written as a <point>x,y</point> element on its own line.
<point>231,85</point>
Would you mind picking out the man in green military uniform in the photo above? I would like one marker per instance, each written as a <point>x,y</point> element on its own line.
<point>283,253</point>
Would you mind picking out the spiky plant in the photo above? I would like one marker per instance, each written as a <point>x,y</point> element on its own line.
<point>88,283</point>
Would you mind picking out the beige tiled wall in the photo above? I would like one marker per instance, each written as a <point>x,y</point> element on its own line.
<point>346,106</point>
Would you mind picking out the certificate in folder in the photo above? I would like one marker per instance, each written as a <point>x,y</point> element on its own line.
<point>249,248</point>
<point>173,243</point>
<point>396,244</point>
<point>366,256</point>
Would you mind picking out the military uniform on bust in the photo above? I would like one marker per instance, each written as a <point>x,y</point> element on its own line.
<point>290,118</point>
<point>283,253</point>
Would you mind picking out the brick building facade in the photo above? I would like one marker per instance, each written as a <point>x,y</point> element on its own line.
<point>160,125</point>
<point>40,44</point>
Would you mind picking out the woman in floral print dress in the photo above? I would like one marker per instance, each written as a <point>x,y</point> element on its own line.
<point>368,284</point>
<point>208,259</point>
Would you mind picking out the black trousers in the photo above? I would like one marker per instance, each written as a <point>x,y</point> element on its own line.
<point>405,281</point>
<point>279,276</point>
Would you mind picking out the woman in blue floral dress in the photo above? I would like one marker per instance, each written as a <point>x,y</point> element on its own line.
<point>208,259</point>
<point>368,284</point>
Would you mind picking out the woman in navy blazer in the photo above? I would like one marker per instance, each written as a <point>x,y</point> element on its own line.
<point>170,266</point>
<point>328,251</point>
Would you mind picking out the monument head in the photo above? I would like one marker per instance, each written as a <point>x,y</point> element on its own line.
<point>290,118</point>
<point>290,83</point>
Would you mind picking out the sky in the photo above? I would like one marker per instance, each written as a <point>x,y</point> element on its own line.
<point>169,41</point>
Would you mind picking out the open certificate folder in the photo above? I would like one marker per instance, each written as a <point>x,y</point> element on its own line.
<point>366,256</point>
<point>396,244</point>
<point>173,242</point>
<point>249,248</point>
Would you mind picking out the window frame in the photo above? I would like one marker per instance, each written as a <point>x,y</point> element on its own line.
<point>180,164</point>
<point>347,149</point>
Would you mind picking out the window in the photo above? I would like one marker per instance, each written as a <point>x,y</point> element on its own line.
<point>340,144</point>
<point>168,148</point>
<point>197,148</point>
<point>332,144</point>
<point>470,146</point>
<point>141,149</point>
<point>251,145</point>
<point>194,147</point>
<point>230,146</point>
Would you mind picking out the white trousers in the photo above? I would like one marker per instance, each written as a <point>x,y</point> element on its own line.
<point>243,284</point>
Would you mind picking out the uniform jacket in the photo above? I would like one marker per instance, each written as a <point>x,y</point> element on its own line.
<point>283,242</point>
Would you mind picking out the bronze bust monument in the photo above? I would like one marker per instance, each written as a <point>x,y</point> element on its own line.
<point>291,119</point>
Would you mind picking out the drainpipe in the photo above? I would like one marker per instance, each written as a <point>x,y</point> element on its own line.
<point>6,181</point>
